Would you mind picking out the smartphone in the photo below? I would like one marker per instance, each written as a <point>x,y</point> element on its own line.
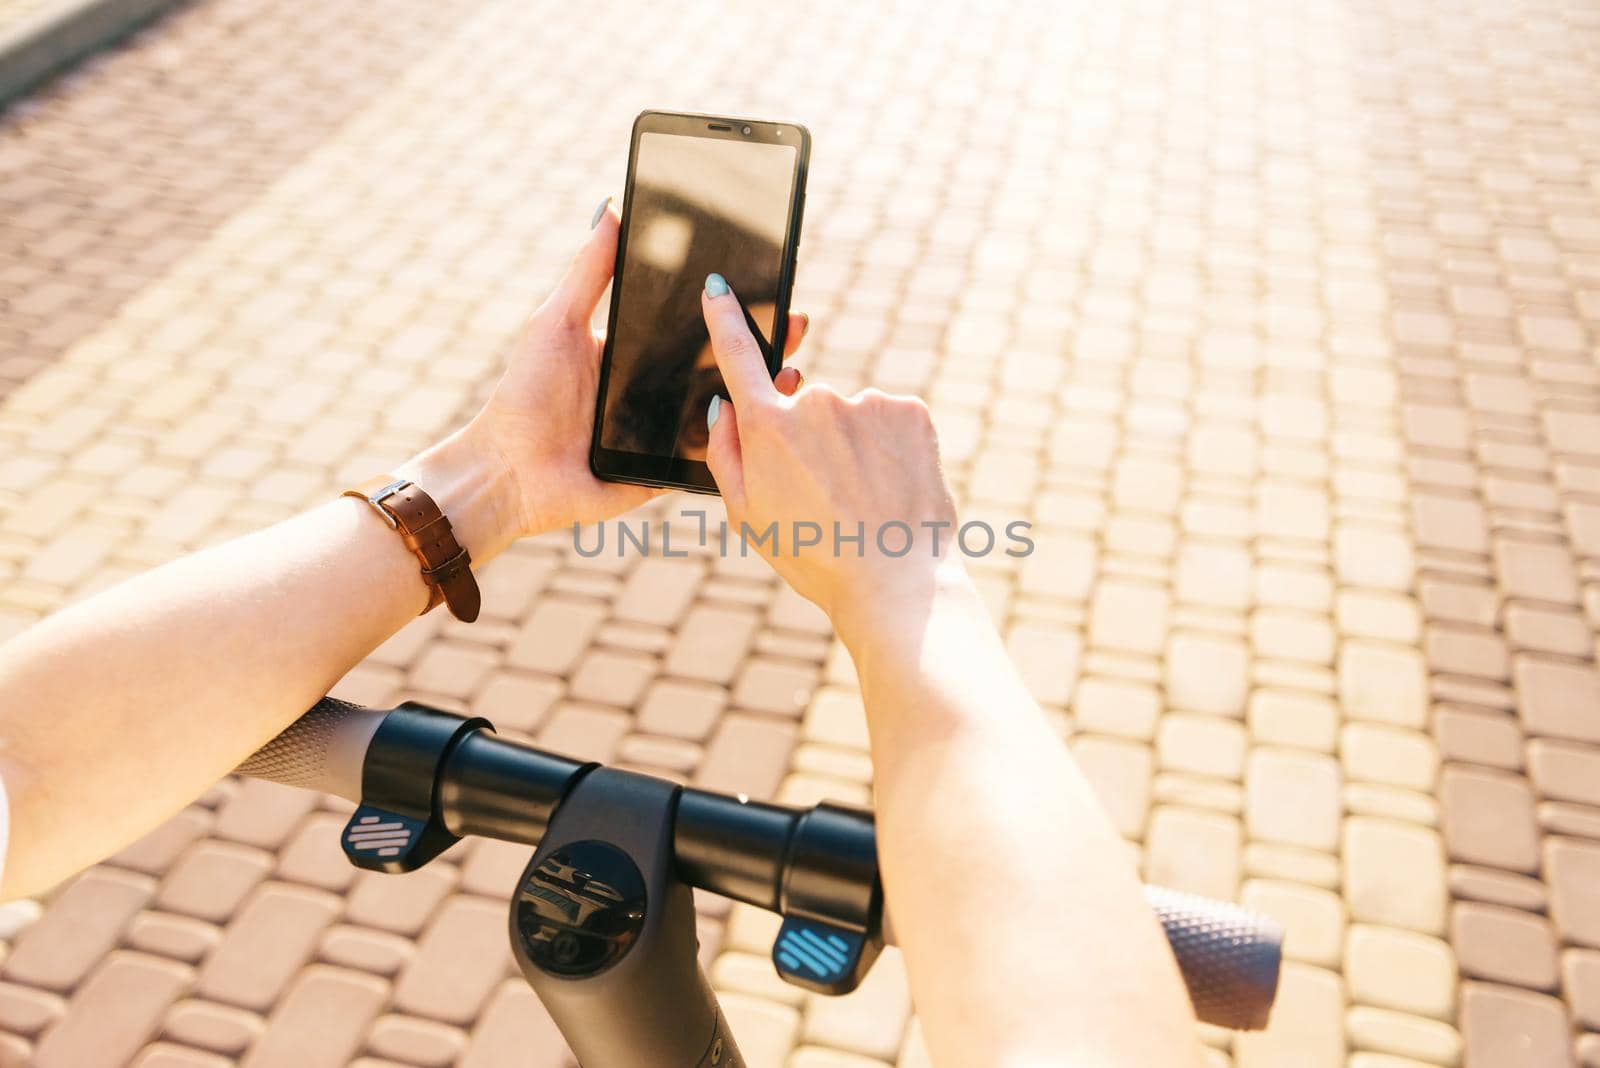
<point>704,194</point>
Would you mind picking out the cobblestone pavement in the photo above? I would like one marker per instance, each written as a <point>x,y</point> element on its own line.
<point>1278,321</point>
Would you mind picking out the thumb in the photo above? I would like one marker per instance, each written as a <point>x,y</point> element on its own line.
<point>579,291</point>
<point>724,454</point>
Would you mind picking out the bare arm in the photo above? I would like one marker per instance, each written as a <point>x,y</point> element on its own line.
<point>118,711</point>
<point>1026,933</point>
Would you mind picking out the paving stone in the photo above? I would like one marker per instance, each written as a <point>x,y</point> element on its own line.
<point>1391,802</point>
<point>1540,571</point>
<point>1497,888</point>
<point>460,958</point>
<point>414,1041</point>
<point>1394,874</point>
<point>399,903</point>
<point>1188,849</point>
<point>1501,1025</point>
<point>749,973</point>
<point>1197,791</point>
<point>270,939</point>
<point>455,669</point>
<point>612,678</point>
<point>26,1010</point>
<point>362,949</point>
<point>1473,736</point>
<point>515,1028</point>
<point>1293,719</point>
<point>870,1021</point>
<point>1374,753</point>
<point>1557,699</point>
<point>1489,819</point>
<point>1404,1035</point>
<point>1373,557</point>
<point>747,754</point>
<point>263,813</point>
<point>1565,772</point>
<point>321,1020</point>
<point>1572,869</point>
<point>821,1057</point>
<point>1116,706</point>
<point>1292,863</point>
<point>1504,945</point>
<point>516,701</point>
<point>1307,1023</point>
<point>1580,971</point>
<point>1292,797</point>
<point>711,643</point>
<point>179,937</point>
<point>1203,745</point>
<point>1546,630</point>
<point>1460,600</point>
<point>1206,674</point>
<point>555,635</point>
<point>314,856</point>
<point>116,1011</point>
<point>211,879</point>
<point>219,1028</point>
<point>765,1031</point>
<point>1401,970</point>
<point>83,923</point>
<point>1128,616</point>
<point>659,590</point>
<point>584,732</point>
<point>1579,821</point>
<point>1313,919</point>
<point>1389,617</point>
<point>776,686</point>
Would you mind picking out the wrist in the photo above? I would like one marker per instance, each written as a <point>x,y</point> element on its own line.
<point>892,607</point>
<point>476,489</point>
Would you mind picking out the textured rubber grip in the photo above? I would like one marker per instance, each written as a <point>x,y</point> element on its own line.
<point>1229,956</point>
<point>322,750</point>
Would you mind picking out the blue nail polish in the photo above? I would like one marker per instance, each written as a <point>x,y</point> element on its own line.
<point>713,409</point>
<point>598,212</point>
<point>716,285</point>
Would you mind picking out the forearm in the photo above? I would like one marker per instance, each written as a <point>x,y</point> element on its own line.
<point>1002,874</point>
<point>121,709</point>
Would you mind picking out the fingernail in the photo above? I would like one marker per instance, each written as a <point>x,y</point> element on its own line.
<point>716,285</point>
<point>713,409</point>
<point>601,210</point>
<point>805,322</point>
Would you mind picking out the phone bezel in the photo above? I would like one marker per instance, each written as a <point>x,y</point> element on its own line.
<point>615,465</point>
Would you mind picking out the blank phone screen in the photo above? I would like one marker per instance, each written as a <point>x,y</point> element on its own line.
<point>699,204</point>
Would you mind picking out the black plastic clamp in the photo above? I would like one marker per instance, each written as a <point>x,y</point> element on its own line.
<point>832,901</point>
<point>398,826</point>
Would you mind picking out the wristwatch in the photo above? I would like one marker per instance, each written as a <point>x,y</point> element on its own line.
<point>446,567</point>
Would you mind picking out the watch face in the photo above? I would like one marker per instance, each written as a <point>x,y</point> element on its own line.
<point>581,909</point>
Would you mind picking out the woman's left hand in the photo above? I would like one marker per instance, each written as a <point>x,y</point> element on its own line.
<point>529,445</point>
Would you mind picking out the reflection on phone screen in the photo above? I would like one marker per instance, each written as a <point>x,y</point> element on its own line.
<point>699,205</point>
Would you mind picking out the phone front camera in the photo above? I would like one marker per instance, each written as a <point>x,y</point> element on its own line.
<point>745,130</point>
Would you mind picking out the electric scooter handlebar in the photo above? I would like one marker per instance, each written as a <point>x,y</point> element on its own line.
<point>424,778</point>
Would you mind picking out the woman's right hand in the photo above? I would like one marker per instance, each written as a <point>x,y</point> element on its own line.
<point>814,460</point>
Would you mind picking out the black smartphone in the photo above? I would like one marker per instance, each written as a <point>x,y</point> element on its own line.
<point>704,194</point>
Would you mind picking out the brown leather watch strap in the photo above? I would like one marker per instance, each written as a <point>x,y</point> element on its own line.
<point>446,567</point>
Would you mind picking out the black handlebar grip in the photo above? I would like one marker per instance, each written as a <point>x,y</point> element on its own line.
<point>1229,956</point>
<point>322,750</point>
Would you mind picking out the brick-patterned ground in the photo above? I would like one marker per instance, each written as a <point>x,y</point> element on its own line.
<point>1278,321</point>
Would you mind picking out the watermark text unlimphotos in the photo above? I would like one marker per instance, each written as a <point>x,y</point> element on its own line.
<point>894,537</point>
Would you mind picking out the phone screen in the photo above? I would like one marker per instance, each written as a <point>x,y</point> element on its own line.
<point>698,205</point>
